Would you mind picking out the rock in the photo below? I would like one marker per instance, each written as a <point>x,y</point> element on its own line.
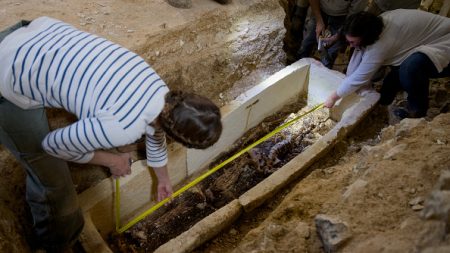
<point>358,184</point>
<point>431,235</point>
<point>443,183</point>
<point>417,207</point>
<point>360,166</point>
<point>439,142</point>
<point>437,206</point>
<point>276,238</point>
<point>233,231</point>
<point>333,232</point>
<point>184,4</point>
<point>394,151</point>
<point>416,201</point>
<point>387,133</point>
<point>366,150</point>
<point>407,125</point>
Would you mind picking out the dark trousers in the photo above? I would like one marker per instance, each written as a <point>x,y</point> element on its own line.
<point>50,192</point>
<point>412,76</point>
<point>309,43</point>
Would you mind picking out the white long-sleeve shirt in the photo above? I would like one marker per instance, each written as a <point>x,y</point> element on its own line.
<point>405,32</point>
<point>114,93</point>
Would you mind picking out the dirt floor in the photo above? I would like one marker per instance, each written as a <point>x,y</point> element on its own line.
<point>377,191</point>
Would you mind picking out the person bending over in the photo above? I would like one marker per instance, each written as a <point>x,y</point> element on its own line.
<point>416,46</point>
<point>117,98</point>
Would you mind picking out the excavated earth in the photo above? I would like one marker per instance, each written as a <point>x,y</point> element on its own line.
<point>382,189</point>
<point>229,182</point>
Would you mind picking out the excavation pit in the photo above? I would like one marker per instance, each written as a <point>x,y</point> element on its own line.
<point>231,181</point>
<point>306,79</point>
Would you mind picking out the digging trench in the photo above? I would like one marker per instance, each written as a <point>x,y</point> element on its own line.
<point>229,182</point>
<point>219,55</point>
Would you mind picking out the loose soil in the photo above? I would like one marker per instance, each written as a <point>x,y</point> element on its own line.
<point>368,180</point>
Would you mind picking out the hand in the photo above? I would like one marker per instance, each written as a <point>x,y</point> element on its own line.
<point>164,184</point>
<point>164,190</point>
<point>331,100</point>
<point>330,40</point>
<point>320,27</point>
<point>120,165</point>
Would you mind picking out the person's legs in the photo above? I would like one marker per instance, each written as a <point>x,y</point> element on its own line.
<point>390,86</point>
<point>310,41</point>
<point>49,189</point>
<point>415,73</point>
<point>328,56</point>
<point>294,21</point>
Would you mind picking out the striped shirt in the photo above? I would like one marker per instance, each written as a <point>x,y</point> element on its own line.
<point>114,93</point>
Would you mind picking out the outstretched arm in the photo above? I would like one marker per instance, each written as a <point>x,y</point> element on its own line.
<point>157,159</point>
<point>164,184</point>
<point>363,65</point>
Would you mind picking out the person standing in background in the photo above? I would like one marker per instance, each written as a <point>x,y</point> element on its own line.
<point>328,18</point>
<point>294,21</point>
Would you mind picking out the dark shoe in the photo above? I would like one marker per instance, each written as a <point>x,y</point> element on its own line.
<point>401,113</point>
<point>404,113</point>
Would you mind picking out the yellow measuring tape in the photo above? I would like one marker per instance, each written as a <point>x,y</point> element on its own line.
<point>200,178</point>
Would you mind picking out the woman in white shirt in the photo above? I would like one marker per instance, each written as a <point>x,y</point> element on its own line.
<point>414,43</point>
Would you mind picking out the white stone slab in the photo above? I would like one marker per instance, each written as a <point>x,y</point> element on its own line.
<point>250,109</point>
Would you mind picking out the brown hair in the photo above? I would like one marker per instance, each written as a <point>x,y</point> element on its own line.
<point>364,25</point>
<point>190,119</point>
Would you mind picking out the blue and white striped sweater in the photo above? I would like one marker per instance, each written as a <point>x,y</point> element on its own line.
<point>112,91</point>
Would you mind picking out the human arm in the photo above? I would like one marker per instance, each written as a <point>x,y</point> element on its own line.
<point>315,8</point>
<point>85,141</point>
<point>164,184</point>
<point>118,164</point>
<point>361,68</point>
<point>157,159</point>
<point>78,141</point>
